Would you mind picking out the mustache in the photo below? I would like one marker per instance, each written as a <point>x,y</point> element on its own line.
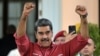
<point>44,39</point>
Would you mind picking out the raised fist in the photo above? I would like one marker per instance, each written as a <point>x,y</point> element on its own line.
<point>81,10</point>
<point>28,7</point>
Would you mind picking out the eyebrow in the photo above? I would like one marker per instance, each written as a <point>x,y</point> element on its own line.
<point>44,32</point>
<point>47,31</point>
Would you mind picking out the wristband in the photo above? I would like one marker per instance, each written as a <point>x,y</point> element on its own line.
<point>84,16</point>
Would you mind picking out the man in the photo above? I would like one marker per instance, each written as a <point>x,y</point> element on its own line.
<point>44,33</point>
<point>60,37</point>
<point>89,49</point>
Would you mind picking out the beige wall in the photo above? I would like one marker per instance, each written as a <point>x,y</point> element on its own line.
<point>69,17</point>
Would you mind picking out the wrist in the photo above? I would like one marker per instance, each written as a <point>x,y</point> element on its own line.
<point>24,17</point>
<point>84,16</point>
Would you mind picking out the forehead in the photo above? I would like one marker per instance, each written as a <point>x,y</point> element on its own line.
<point>43,28</point>
<point>90,41</point>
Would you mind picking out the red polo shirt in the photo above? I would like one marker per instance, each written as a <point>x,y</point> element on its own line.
<point>27,48</point>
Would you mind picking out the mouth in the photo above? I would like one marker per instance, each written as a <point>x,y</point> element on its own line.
<point>86,51</point>
<point>45,40</point>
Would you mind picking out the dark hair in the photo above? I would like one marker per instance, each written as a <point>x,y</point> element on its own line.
<point>42,22</point>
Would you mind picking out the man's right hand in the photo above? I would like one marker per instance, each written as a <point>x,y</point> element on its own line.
<point>28,7</point>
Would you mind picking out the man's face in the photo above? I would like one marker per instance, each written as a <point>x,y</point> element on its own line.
<point>88,49</point>
<point>44,35</point>
<point>60,40</point>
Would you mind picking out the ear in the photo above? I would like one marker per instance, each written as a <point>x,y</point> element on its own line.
<point>94,47</point>
<point>35,33</point>
<point>51,33</point>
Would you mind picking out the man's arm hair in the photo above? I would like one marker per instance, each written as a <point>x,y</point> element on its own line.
<point>84,26</point>
<point>21,29</point>
<point>81,10</point>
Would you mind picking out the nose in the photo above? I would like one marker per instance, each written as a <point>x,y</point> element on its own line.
<point>86,47</point>
<point>44,36</point>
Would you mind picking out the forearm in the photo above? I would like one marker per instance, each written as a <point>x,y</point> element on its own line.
<point>21,29</point>
<point>84,27</point>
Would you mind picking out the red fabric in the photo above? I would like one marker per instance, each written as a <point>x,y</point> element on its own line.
<point>70,48</point>
<point>59,34</point>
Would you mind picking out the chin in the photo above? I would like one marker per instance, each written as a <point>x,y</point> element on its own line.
<point>86,54</point>
<point>46,45</point>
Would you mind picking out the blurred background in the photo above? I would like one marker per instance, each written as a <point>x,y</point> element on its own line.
<point>10,12</point>
<point>60,12</point>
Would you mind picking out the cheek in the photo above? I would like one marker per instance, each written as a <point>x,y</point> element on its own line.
<point>63,41</point>
<point>51,34</point>
<point>91,48</point>
<point>38,37</point>
<point>57,42</point>
<point>82,50</point>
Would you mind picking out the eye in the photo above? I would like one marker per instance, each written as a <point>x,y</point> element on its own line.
<point>89,44</point>
<point>56,40</point>
<point>40,33</point>
<point>47,32</point>
<point>63,40</point>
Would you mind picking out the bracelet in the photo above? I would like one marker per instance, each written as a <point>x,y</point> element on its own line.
<point>84,16</point>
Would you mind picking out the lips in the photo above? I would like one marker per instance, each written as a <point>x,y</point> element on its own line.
<point>86,51</point>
